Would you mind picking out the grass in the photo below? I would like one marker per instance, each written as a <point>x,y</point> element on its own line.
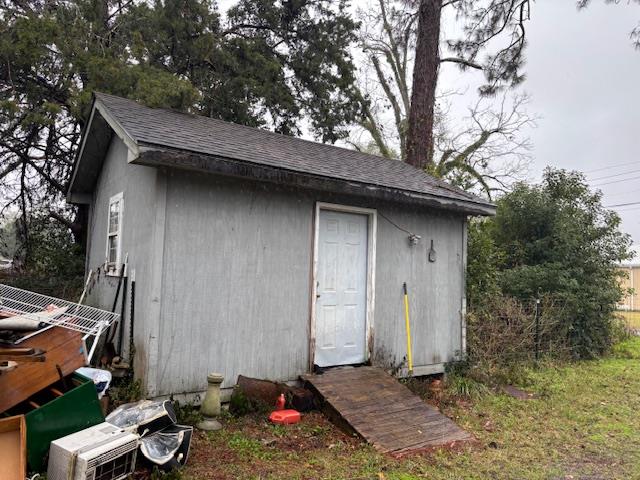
<point>632,319</point>
<point>125,390</point>
<point>585,426</point>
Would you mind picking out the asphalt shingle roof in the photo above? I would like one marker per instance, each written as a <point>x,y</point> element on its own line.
<point>175,130</point>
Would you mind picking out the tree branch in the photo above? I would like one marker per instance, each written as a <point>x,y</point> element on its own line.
<point>462,61</point>
<point>393,58</point>
<point>399,117</point>
<point>75,227</point>
<point>368,122</point>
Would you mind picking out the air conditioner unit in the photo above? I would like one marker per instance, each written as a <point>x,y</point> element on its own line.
<point>101,452</point>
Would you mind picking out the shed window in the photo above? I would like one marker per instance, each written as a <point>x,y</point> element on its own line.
<point>114,233</point>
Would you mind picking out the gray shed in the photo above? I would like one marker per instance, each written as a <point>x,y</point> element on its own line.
<point>261,254</point>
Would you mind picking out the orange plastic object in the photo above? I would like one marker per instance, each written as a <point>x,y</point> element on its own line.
<point>285,417</point>
<point>280,402</point>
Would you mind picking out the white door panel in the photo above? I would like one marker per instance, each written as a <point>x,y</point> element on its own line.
<point>341,289</point>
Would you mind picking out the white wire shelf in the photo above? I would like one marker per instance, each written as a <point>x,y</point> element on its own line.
<point>53,311</point>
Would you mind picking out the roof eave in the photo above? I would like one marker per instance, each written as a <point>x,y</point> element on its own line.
<point>152,155</point>
<point>93,149</point>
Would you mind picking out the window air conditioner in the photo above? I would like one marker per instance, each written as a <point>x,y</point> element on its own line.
<point>101,452</point>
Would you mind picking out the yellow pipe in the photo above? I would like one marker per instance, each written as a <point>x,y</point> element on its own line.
<point>408,328</point>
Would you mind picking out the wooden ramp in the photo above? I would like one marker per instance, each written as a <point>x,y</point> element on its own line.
<point>383,411</point>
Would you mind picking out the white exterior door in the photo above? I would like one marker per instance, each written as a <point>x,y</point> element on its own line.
<point>341,289</point>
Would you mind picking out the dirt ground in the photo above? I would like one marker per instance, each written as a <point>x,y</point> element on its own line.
<point>251,447</point>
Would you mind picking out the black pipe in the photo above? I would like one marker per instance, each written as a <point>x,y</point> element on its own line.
<point>537,334</point>
<point>112,329</point>
<point>120,278</point>
<point>132,311</point>
<point>108,349</point>
<point>122,315</point>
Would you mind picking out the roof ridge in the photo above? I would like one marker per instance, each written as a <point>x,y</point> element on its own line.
<point>398,167</point>
<point>254,129</point>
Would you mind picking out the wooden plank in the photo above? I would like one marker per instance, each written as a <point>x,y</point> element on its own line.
<point>436,429</point>
<point>383,411</point>
<point>63,349</point>
<point>395,408</point>
<point>428,433</point>
<point>13,448</point>
<point>56,392</point>
<point>432,427</point>
<point>414,420</point>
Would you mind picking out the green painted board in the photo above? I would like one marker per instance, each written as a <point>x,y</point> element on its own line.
<point>77,409</point>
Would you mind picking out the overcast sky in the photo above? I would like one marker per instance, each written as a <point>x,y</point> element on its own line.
<point>584,79</point>
<point>583,75</point>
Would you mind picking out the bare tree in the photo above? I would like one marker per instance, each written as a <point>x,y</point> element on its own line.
<point>489,152</point>
<point>388,41</point>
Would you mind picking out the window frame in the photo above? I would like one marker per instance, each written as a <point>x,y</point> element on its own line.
<point>113,268</point>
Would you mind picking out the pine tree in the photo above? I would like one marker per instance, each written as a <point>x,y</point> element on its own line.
<point>268,64</point>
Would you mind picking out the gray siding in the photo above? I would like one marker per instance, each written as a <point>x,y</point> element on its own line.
<point>137,183</point>
<point>223,276</point>
<point>236,284</point>
<point>435,289</point>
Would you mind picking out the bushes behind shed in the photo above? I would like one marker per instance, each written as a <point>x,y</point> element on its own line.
<point>552,242</point>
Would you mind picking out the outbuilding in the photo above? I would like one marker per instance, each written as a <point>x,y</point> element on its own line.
<point>265,255</point>
<point>630,281</point>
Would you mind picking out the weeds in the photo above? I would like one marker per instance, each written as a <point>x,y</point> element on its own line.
<point>248,447</point>
<point>465,387</point>
<point>157,474</point>
<point>504,331</point>
<point>187,414</point>
<point>315,430</point>
<point>240,404</point>
<point>125,391</point>
<point>65,287</point>
<point>418,385</point>
<point>278,430</point>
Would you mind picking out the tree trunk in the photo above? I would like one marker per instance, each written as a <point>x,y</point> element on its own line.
<point>82,222</point>
<point>78,226</point>
<point>425,80</point>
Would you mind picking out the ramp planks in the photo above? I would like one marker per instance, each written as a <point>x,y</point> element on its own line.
<point>383,411</point>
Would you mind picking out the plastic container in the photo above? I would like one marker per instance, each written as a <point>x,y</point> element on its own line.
<point>285,417</point>
<point>101,378</point>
